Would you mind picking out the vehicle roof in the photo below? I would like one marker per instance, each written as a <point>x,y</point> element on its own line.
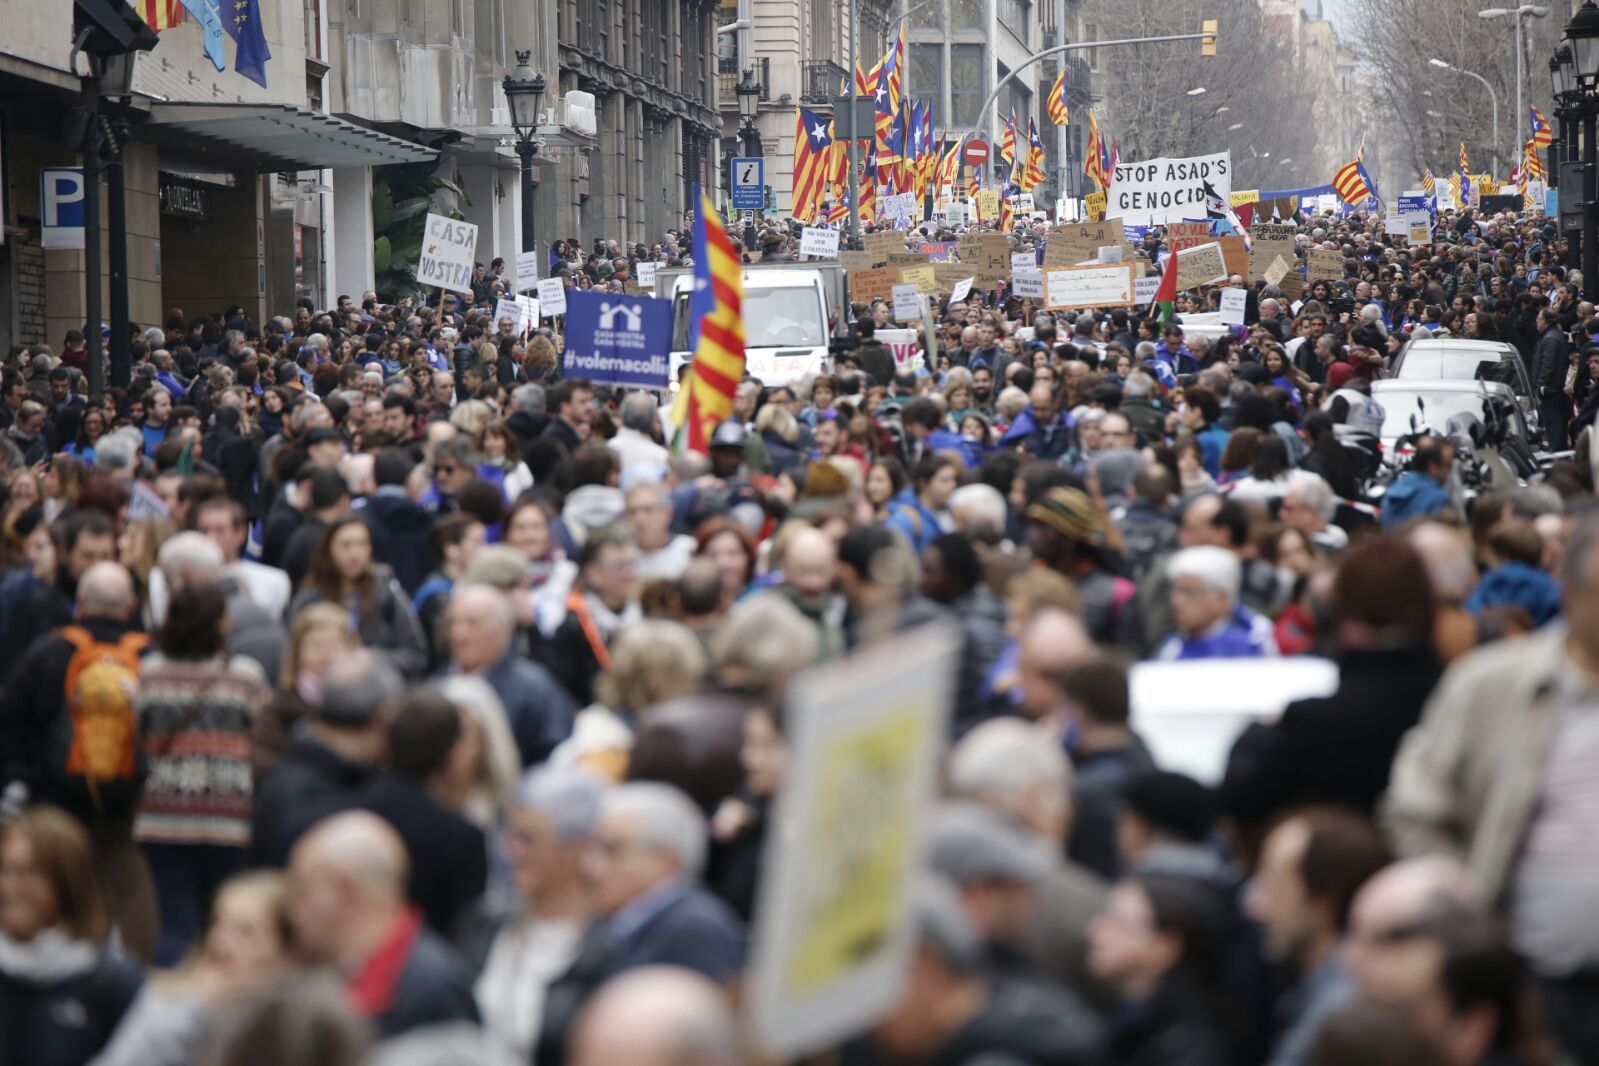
<point>1429,385</point>
<point>1464,344</point>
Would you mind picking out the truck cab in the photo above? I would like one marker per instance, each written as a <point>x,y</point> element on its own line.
<point>791,311</point>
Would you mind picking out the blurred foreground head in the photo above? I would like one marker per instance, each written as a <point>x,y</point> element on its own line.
<point>657,1016</point>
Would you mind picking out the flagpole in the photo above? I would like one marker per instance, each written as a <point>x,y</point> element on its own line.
<point>1062,140</point>
<point>849,152</point>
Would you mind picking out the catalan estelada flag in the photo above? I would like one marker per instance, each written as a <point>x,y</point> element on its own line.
<point>159,14</point>
<point>1532,164</point>
<point>868,205</point>
<point>1465,164</point>
<point>1351,183</point>
<point>840,209</point>
<point>949,165</point>
<point>705,399</point>
<point>813,161</point>
<point>1094,163</point>
<point>1429,184</point>
<point>1056,104</point>
<point>1033,171</point>
<point>1542,135</point>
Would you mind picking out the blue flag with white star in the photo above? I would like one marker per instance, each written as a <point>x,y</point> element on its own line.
<point>242,20</point>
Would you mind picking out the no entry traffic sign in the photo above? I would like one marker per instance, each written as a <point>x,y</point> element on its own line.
<point>975,153</point>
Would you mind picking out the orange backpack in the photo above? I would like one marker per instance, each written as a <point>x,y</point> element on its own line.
<point>98,737</point>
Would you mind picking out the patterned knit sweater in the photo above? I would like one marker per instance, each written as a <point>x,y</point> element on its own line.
<point>195,720</point>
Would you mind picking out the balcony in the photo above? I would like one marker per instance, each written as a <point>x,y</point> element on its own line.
<point>821,80</point>
<point>727,77</point>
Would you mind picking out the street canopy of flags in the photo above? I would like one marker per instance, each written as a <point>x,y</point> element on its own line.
<point>905,154</point>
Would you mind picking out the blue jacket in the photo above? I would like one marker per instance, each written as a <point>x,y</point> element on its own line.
<point>907,516</point>
<point>1042,442</point>
<point>1182,360</point>
<point>1244,636</point>
<point>1212,441</point>
<point>1520,585</point>
<point>537,707</point>
<point>1413,495</point>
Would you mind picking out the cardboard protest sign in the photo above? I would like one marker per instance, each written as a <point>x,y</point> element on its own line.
<point>1274,273</point>
<point>924,277</point>
<point>1200,265</point>
<point>834,927</point>
<point>883,242</point>
<point>1094,206</point>
<point>875,284</point>
<point>1325,265</point>
<point>1271,240</point>
<point>1075,242</point>
<point>853,261</point>
<point>988,204</point>
<point>1074,288</point>
<point>1166,190</point>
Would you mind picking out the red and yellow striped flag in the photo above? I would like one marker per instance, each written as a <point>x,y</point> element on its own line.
<point>1094,163</point>
<point>1056,104</point>
<point>705,399</point>
<point>813,161</point>
<point>160,14</point>
<point>1007,144</point>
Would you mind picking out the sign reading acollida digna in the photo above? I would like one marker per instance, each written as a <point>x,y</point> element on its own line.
<point>618,339</point>
<point>1168,190</point>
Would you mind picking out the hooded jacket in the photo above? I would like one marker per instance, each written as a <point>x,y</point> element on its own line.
<point>400,528</point>
<point>1413,495</point>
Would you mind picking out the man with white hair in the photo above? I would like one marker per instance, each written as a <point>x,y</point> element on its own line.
<point>348,905</point>
<point>1309,506</point>
<point>1211,623</point>
<point>979,513</point>
<point>644,862</point>
<point>633,443</point>
<point>1013,769</point>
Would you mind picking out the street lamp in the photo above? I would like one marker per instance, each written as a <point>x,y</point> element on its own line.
<point>1582,35</point>
<point>748,92</point>
<point>1520,13</point>
<point>1441,65</point>
<point>524,93</point>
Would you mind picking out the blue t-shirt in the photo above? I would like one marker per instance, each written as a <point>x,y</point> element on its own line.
<point>153,438</point>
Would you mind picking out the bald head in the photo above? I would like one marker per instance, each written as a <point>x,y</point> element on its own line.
<point>359,847</point>
<point>1446,553</point>
<point>1055,640</point>
<point>810,562</point>
<point>657,1016</point>
<point>1387,917</point>
<point>105,591</point>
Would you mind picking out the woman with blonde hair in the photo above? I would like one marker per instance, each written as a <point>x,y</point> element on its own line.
<point>651,662</point>
<point>137,548</point>
<point>248,942</point>
<point>495,771</point>
<point>63,480</point>
<point>319,635</point>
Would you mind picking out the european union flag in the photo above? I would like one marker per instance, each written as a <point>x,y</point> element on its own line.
<point>242,20</point>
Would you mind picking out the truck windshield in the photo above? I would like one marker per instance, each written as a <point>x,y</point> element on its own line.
<point>789,317</point>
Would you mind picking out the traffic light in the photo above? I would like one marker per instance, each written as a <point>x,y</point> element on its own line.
<point>1207,45</point>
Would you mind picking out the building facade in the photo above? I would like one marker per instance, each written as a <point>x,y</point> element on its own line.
<point>252,196</point>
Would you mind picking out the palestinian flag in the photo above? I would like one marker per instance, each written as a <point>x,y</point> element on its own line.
<point>1165,301</point>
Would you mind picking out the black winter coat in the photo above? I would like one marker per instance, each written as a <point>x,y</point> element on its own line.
<point>65,1022</point>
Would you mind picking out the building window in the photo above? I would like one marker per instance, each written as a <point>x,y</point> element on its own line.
<point>1017,16</point>
<point>927,69</point>
<point>967,84</point>
<point>1090,35</point>
<point>968,15</point>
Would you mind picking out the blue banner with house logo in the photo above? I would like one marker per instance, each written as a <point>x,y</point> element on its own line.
<point>618,339</point>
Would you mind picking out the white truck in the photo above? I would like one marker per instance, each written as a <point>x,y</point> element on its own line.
<point>791,312</point>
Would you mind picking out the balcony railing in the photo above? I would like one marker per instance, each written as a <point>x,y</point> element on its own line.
<point>728,75</point>
<point>820,80</point>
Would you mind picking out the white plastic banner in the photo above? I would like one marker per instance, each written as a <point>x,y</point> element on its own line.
<point>1165,190</point>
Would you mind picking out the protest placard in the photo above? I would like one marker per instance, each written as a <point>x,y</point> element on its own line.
<point>523,311</point>
<point>1167,189</point>
<point>1076,242</point>
<point>1112,253</point>
<point>819,242</point>
<point>1024,203</point>
<point>907,302</point>
<point>906,259</point>
<point>883,242</point>
<point>875,284</point>
<point>1239,199</point>
<point>902,205</point>
<point>962,289</point>
<point>446,253</point>
<point>1187,234</point>
<point>1023,261</point>
<point>1094,206</point>
<point>1073,288</point>
<point>1418,227</point>
<point>646,275</point>
<point>924,277</point>
<point>527,271</point>
<point>1232,306</point>
<point>1028,283</point>
<point>620,340</point>
<point>552,296</point>
<point>853,261</point>
<point>1144,290</point>
<point>1274,273</point>
<point>834,928</point>
<point>1325,264</point>
<point>1200,265</point>
<point>988,204</point>
<point>938,251</point>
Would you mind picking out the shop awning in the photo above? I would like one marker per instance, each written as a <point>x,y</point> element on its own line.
<point>274,137</point>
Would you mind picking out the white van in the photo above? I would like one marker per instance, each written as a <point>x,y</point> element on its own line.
<point>791,311</point>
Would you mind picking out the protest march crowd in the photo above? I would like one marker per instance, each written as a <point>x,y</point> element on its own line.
<point>374,692</point>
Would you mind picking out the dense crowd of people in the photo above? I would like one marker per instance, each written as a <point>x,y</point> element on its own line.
<point>374,692</point>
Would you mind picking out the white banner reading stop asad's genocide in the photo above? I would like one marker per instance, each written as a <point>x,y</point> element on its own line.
<point>1167,190</point>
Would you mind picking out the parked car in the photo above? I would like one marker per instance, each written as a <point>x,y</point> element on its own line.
<point>1459,359</point>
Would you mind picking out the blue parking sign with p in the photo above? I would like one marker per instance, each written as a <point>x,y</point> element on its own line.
<point>61,204</point>
<point>749,183</point>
